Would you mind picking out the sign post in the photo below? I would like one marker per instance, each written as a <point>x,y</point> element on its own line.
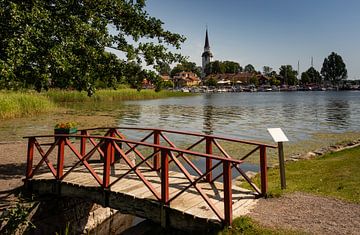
<point>279,136</point>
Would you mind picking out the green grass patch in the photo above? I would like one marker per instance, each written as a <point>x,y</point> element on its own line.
<point>245,225</point>
<point>110,95</point>
<point>30,103</point>
<point>18,104</point>
<point>335,174</point>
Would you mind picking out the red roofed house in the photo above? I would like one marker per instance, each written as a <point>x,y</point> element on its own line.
<point>186,79</point>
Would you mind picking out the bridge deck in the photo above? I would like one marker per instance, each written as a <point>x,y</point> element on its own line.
<point>130,195</point>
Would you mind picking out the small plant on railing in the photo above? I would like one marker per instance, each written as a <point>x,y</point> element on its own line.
<point>66,125</point>
<point>65,128</point>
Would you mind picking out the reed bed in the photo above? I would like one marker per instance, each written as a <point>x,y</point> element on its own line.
<point>29,103</point>
<point>110,95</point>
<point>23,104</point>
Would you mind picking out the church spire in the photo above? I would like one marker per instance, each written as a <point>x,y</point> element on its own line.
<point>206,55</point>
<point>207,45</point>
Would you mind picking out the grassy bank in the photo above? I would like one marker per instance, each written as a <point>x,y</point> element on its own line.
<point>335,174</point>
<point>29,103</point>
<point>110,95</point>
<point>245,225</point>
<point>17,104</point>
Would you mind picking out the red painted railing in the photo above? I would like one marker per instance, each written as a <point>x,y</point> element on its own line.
<point>163,152</point>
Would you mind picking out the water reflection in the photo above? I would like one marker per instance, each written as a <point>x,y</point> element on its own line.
<point>242,115</point>
<point>338,113</point>
<point>208,119</point>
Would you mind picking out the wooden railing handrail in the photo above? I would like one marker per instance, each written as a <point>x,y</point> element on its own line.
<point>250,142</point>
<point>211,156</point>
<point>111,142</point>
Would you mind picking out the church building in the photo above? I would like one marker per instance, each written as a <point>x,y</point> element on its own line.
<point>206,55</point>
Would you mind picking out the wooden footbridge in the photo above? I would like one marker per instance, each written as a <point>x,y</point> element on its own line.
<point>150,177</point>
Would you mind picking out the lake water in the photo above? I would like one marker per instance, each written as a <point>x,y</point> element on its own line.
<point>248,115</point>
<point>241,115</point>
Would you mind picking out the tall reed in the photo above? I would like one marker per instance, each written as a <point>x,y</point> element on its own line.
<point>19,104</point>
<point>110,95</point>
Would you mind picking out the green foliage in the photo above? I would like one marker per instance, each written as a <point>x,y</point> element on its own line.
<point>211,82</point>
<point>288,74</point>
<point>66,125</point>
<point>267,71</point>
<point>305,79</point>
<point>254,81</point>
<point>66,230</point>
<point>23,104</point>
<point>17,104</point>
<point>249,68</point>
<point>232,67</point>
<point>109,95</point>
<point>187,67</point>
<point>62,43</point>
<point>15,218</point>
<point>163,68</point>
<point>275,81</point>
<point>334,69</point>
<point>168,84</point>
<point>245,225</point>
<point>218,67</point>
<point>311,76</point>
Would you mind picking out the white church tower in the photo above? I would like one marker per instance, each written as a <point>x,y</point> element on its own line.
<point>206,55</point>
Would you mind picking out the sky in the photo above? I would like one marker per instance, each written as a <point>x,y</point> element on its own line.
<point>266,32</point>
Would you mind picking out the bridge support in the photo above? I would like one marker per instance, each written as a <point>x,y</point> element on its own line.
<point>53,214</point>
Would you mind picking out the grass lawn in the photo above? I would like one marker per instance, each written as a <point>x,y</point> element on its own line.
<point>335,174</point>
<point>245,225</point>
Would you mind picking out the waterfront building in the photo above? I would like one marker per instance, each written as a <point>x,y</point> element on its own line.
<point>186,79</point>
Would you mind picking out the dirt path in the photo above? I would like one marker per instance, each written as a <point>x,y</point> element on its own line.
<point>12,165</point>
<point>309,213</point>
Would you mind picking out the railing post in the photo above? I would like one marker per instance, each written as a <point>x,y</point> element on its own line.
<point>156,163</point>
<point>83,143</point>
<point>30,157</point>
<point>112,149</point>
<point>60,157</point>
<point>263,170</point>
<point>227,193</point>
<point>209,150</point>
<point>164,177</point>
<point>107,161</point>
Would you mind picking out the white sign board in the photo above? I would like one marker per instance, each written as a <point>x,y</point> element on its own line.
<point>277,134</point>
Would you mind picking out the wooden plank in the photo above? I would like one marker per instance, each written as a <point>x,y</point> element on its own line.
<point>81,178</point>
<point>174,180</point>
<point>244,208</point>
<point>47,175</point>
<point>73,178</point>
<point>126,185</point>
<point>189,202</point>
<point>186,200</point>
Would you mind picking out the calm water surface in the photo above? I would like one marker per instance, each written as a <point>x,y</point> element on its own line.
<point>242,115</point>
<point>248,115</point>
